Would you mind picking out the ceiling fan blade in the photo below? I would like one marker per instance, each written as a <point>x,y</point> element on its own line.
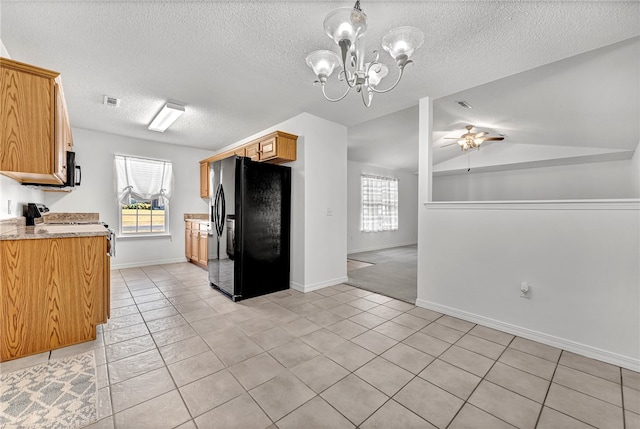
<point>496,139</point>
<point>481,134</point>
<point>449,144</point>
<point>450,138</point>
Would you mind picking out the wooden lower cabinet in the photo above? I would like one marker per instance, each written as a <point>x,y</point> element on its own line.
<point>196,242</point>
<point>203,248</point>
<point>187,240</point>
<point>53,293</point>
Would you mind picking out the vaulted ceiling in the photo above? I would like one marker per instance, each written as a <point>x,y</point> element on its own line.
<point>544,73</point>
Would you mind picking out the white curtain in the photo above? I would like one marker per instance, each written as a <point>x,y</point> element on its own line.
<point>142,179</point>
<point>379,203</point>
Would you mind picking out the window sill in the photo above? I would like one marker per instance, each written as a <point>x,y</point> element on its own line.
<point>140,236</point>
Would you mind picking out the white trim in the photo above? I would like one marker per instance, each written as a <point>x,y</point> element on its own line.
<point>614,204</point>
<point>572,346</point>
<point>147,263</point>
<point>386,246</point>
<point>142,235</point>
<point>315,286</point>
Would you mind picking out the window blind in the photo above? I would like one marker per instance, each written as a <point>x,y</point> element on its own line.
<point>142,179</point>
<point>379,203</point>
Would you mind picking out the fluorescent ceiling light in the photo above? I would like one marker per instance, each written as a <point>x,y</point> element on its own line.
<point>167,116</point>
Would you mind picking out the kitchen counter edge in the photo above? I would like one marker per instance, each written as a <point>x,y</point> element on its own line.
<point>44,231</point>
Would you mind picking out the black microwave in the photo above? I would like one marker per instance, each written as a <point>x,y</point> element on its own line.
<point>74,174</point>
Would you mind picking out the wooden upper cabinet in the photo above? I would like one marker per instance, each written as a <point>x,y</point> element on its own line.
<point>275,148</point>
<point>35,134</point>
<point>253,151</point>
<point>204,179</point>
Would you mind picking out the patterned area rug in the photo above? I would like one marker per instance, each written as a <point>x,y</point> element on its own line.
<point>59,394</point>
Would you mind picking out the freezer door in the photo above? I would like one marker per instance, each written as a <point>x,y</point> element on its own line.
<point>263,217</point>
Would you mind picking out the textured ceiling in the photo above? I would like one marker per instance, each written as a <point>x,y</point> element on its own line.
<point>238,67</point>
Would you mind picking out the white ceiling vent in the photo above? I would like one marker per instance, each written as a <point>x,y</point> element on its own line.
<point>111,101</point>
<point>464,104</point>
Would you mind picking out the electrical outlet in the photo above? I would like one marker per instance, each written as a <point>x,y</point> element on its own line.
<point>329,211</point>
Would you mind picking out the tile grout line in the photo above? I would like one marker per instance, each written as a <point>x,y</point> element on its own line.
<point>544,401</point>
<point>624,417</point>
<point>466,401</point>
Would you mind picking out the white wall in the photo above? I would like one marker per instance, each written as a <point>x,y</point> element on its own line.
<point>581,259</point>
<point>635,172</point>
<point>95,152</point>
<point>318,241</point>
<point>582,264</point>
<point>595,180</point>
<point>407,232</point>
<point>13,196</point>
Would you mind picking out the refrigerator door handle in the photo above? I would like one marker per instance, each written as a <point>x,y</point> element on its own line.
<point>219,209</point>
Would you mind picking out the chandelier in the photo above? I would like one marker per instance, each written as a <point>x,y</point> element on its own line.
<point>346,26</point>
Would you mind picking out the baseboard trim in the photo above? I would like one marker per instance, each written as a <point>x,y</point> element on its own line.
<point>147,263</point>
<point>386,246</point>
<point>571,346</point>
<point>315,286</point>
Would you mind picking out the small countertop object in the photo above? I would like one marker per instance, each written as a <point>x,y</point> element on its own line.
<point>196,216</point>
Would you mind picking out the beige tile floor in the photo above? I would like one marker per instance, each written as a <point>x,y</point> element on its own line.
<point>177,354</point>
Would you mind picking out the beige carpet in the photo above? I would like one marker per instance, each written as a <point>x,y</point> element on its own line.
<point>59,394</point>
<point>393,272</point>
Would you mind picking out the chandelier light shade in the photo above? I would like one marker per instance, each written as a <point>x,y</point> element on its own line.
<point>402,41</point>
<point>346,26</point>
<point>323,63</point>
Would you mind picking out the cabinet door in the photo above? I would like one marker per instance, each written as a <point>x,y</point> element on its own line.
<point>107,294</point>
<point>187,240</point>
<point>204,179</point>
<point>194,244</point>
<point>268,149</point>
<point>240,152</point>
<point>62,134</point>
<point>202,248</point>
<point>27,118</point>
<point>253,151</point>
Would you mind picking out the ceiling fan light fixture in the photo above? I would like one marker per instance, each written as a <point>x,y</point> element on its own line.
<point>471,140</point>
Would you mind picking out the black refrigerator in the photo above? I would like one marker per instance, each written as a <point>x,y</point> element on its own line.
<point>249,237</point>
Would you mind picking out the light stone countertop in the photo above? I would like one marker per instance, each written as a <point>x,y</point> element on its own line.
<point>54,231</point>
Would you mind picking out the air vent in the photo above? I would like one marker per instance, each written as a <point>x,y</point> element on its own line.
<point>111,101</point>
<point>464,104</point>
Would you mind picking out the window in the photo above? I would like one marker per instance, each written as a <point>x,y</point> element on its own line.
<point>379,203</point>
<point>143,189</point>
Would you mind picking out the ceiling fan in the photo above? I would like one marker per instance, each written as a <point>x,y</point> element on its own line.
<point>471,140</point>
